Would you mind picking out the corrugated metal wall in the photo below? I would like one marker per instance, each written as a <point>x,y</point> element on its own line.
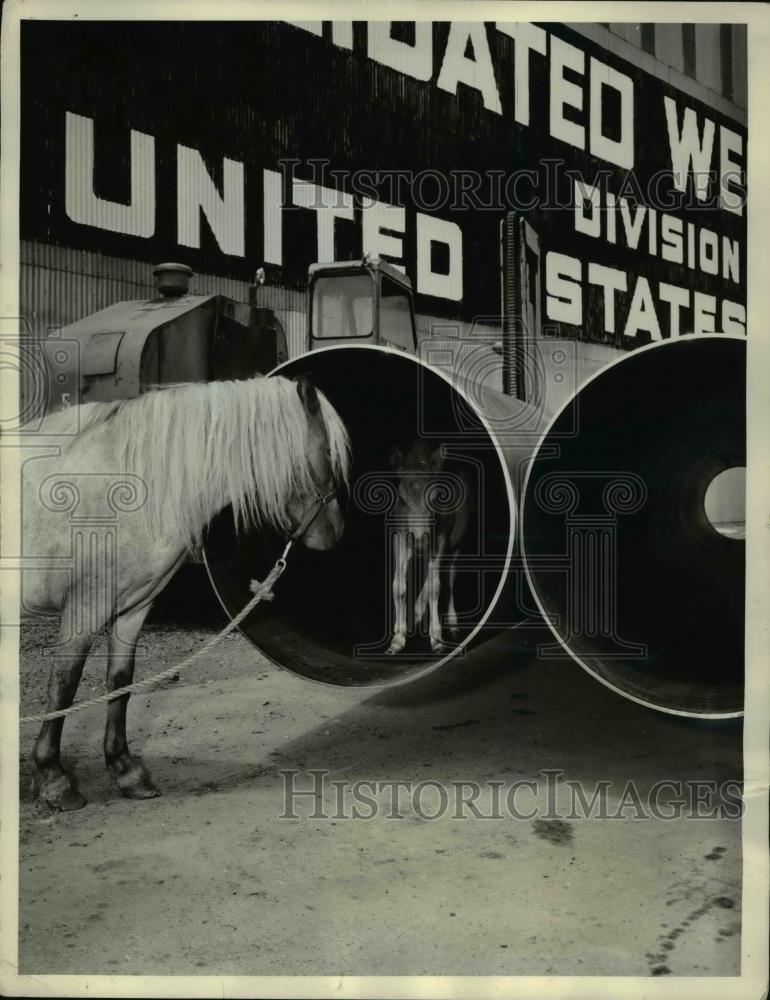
<point>60,285</point>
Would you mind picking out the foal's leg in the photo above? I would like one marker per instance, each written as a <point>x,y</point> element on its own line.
<point>421,603</point>
<point>437,643</point>
<point>55,786</point>
<point>401,563</point>
<point>129,773</point>
<point>451,618</point>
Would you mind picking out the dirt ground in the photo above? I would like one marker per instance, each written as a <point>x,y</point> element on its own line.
<point>207,879</point>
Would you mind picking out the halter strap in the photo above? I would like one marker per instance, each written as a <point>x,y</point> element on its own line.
<point>321,500</point>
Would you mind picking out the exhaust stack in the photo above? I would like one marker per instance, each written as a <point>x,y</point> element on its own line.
<point>172,281</point>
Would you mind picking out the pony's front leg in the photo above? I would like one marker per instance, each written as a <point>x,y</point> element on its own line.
<point>54,785</point>
<point>128,772</point>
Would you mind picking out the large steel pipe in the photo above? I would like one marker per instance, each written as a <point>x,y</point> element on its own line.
<point>333,611</point>
<point>634,580</point>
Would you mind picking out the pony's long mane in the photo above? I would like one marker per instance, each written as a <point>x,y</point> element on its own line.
<point>201,446</point>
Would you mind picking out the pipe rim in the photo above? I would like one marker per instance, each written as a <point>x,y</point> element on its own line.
<point>513,510</point>
<point>733,714</point>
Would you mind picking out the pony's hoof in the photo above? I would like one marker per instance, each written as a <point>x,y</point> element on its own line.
<point>440,647</point>
<point>60,794</point>
<point>134,782</point>
<point>396,645</point>
<point>132,778</point>
<point>143,789</point>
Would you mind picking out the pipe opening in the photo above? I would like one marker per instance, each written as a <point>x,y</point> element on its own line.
<point>623,561</point>
<point>725,503</point>
<point>421,454</point>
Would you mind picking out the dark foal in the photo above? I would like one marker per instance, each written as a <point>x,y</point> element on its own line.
<point>431,517</point>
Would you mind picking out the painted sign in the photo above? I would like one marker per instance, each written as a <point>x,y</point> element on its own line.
<point>233,145</point>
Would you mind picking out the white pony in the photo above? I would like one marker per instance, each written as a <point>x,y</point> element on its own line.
<point>119,492</point>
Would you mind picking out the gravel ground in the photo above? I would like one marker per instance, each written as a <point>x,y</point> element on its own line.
<point>209,879</point>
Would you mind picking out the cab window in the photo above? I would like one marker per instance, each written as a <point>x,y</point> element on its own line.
<point>343,306</point>
<point>395,316</point>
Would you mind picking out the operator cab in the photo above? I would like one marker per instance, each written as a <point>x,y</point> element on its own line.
<point>365,301</point>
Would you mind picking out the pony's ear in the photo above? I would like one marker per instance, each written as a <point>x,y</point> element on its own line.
<point>395,457</point>
<point>307,393</point>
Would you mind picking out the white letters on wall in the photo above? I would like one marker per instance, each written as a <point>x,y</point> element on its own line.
<point>579,86</point>
<point>611,280</point>
<point>588,213</point>
<point>431,229</point>
<point>619,151</point>
<point>477,72</point>
<point>565,93</point>
<point>329,204</point>
<point>677,298</point>
<point>730,170</point>
<point>377,216</point>
<point>528,38</point>
<point>197,193</point>
<point>137,218</point>
<point>641,314</point>
<point>272,217</point>
<point>413,60</point>
<point>688,149</point>
<point>564,295</point>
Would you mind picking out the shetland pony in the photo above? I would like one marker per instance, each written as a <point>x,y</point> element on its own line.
<point>119,492</point>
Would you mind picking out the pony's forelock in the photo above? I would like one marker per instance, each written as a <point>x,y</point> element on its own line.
<point>339,441</point>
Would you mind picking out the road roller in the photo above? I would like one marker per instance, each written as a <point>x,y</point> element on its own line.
<point>591,515</point>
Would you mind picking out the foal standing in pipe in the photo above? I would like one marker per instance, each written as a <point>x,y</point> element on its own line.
<point>432,514</point>
<point>161,466</point>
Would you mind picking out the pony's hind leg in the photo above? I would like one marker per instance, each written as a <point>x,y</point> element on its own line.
<point>54,785</point>
<point>129,773</point>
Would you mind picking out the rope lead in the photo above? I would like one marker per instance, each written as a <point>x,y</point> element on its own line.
<point>263,591</point>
